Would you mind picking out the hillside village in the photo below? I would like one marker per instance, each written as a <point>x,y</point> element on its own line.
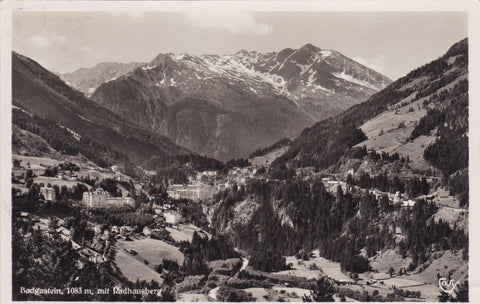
<point>367,206</point>
<point>168,226</point>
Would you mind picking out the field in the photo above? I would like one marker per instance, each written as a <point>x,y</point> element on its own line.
<point>267,159</point>
<point>185,232</point>
<point>293,292</point>
<point>257,293</point>
<point>426,281</point>
<point>35,162</point>
<point>224,267</point>
<point>133,269</point>
<point>383,261</point>
<point>39,164</point>
<point>325,267</point>
<point>384,134</point>
<point>192,297</point>
<point>152,250</point>
<point>379,279</point>
<point>446,263</point>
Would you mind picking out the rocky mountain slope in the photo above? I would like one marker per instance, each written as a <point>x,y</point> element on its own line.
<point>227,106</point>
<point>45,105</point>
<point>87,80</point>
<point>406,196</point>
<point>407,117</point>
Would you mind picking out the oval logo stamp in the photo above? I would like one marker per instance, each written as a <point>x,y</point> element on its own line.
<point>446,285</point>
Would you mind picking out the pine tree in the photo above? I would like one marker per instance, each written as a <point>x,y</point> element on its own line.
<point>322,291</point>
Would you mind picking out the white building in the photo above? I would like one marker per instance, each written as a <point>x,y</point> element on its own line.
<point>48,193</point>
<point>408,204</point>
<point>99,198</point>
<point>397,198</point>
<point>115,229</point>
<point>172,217</point>
<point>193,192</point>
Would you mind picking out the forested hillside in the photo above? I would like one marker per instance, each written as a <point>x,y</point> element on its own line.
<point>325,142</point>
<point>43,94</point>
<point>288,212</point>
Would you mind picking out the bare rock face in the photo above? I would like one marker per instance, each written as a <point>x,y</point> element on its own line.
<point>228,106</point>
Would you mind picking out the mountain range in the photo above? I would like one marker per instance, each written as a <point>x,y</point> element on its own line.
<point>87,80</point>
<point>411,138</point>
<point>378,189</point>
<point>228,106</point>
<point>52,105</point>
<point>410,116</point>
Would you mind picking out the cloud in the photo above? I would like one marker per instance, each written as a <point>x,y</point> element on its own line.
<point>48,41</point>
<point>86,50</point>
<point>40,41</point>
<point>377,63</point>
<point>58,39</point>
<point>236,22</point>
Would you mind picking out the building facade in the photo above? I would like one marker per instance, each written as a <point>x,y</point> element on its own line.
<point>193,192</point>
<point>48,193</point>
<point>99,198</point>
<point>172,217</point>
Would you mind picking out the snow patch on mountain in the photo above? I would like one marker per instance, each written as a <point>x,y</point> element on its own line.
<point>148,67</point>
<point>352,79</point>
<point>325,53</point>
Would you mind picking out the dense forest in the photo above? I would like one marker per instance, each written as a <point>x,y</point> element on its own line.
<point>262,151</point>
<point>44,260</point>
<point>448,113</point>
<point>61,140</point>
<point>201,250</point>
<point>339,225</point>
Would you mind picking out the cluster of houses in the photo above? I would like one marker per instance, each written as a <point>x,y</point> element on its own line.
<point>96,253</point>
<point>241,175</point>
<point>332,185</point>
<point>125,230</point>
<point>98,198</point>
<point>204,177</point>
<point>67,175</point>
<point>204,185</point>
<point>200,187</point>
<point>397,198</point>
<point>171,215</point>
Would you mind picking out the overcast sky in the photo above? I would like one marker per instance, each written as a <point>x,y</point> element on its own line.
<point>392,43</point>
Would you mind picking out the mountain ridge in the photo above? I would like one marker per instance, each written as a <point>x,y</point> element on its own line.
<point>261,96</point>
<point>42,93</point>
<point>87,80</point>
<point>407,99</point>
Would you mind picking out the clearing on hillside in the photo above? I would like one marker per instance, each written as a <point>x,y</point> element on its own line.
<point>152,250</point>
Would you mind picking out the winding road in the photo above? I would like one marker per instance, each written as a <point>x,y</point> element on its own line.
<point>214,292</point>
